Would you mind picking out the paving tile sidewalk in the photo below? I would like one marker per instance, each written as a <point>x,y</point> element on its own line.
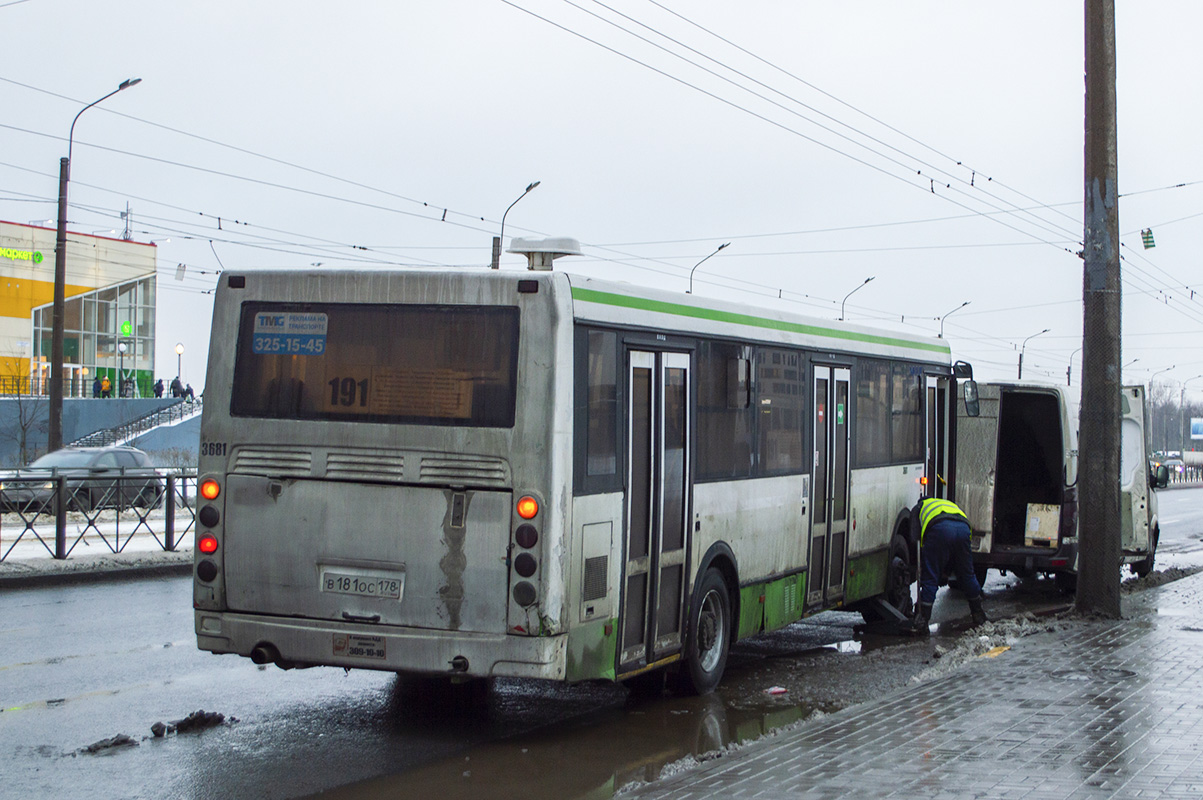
<point>1097,709</point>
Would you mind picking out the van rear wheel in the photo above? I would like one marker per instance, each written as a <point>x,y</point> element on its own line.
<point>1067,582</point>
<point>1145,565</point>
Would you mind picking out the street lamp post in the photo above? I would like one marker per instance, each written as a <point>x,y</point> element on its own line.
<point>857,289</point>
<point>1165,437</point>
<point>1019,376</point>
<point>497,241</point>
<point>1158,372</point>
<point>695,266</point>
<point>121,369</point>
<point>1069,371</point>
<point>946,316</point>
<point>179,359</point>
<point>54,432</point>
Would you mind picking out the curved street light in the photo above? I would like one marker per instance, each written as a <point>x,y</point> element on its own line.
<point>695,266</point>
<point>1158,372</point>
<point>1069,371</point>
<point>498,241</point>
<point>949,314</point>
<point>54,432</point>
<point>1025,347</point>
<point>854,291</point>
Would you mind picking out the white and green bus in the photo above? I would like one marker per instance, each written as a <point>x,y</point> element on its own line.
<point>535,474</point>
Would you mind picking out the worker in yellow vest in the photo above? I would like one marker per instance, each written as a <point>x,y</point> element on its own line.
<point>943,543</point>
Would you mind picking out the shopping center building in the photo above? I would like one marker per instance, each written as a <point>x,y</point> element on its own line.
<point>109,315</point>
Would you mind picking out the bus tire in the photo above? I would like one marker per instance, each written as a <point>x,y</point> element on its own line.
<point>900,576</point>
<point>1067,582</point>
<point>708,636</point>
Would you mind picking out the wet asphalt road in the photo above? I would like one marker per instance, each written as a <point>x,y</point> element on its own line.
<point>82,663</point>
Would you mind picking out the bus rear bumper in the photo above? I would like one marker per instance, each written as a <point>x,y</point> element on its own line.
<point>290,642</point>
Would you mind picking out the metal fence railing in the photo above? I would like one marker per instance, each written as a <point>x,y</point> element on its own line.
<point>112,507</point>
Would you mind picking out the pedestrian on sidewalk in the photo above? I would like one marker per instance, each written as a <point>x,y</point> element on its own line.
<point>177,388</point>
<point>943,543</point>
<point>106,387</point>
<point>159,388</point>
<point>96,386</point>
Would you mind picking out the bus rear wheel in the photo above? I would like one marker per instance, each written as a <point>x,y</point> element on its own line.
<point>709,635</point>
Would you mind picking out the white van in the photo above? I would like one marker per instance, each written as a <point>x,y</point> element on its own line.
<point>1016,478</point>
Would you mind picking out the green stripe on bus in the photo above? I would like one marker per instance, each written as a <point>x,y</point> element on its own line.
<point>644,304</point>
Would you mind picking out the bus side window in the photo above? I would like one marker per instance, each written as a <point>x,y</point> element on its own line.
<point>601,438</point>
<point>725,416</point>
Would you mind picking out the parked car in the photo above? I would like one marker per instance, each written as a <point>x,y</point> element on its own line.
<point>96,477</point>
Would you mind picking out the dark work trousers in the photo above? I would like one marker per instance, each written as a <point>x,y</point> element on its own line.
<point>946,542</point>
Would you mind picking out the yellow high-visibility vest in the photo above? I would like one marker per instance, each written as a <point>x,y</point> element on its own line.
<point>932,508</point>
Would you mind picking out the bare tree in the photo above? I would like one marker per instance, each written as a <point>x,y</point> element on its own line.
<point>1163,405</point>
<point>26,431</point>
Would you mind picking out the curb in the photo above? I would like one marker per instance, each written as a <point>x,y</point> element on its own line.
<point>23,575</point>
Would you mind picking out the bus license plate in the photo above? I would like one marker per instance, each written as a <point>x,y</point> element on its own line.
<point>384,586</point>
<point>357,646</point>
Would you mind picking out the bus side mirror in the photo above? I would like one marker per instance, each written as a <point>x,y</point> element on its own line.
<point>1162,477</point>
<point>972,407</point>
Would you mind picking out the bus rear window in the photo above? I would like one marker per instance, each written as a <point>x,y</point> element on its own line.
<point>433,365</point>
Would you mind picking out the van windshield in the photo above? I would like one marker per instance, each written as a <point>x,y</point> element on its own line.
<point>420,364</point>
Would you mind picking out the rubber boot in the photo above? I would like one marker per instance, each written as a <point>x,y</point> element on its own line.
<point>979,614</point>
<point>922,618</point>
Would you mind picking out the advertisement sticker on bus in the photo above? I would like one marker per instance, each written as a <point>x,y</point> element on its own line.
<point>357,646</point>
<point>289,332</point>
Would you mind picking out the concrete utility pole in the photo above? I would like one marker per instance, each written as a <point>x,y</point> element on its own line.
<point>1099,503</point>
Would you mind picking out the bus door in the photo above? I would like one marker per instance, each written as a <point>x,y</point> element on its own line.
<point>657,512</point>
<point>936,436</point>
<point>829,486</point>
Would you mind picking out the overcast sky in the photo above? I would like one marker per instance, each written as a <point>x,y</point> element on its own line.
<point>933,146</point>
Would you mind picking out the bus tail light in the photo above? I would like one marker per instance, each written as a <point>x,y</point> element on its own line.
<point>524,594</point>
<point>526,536</point>
<point>210,489</point>
<point>528,507</point>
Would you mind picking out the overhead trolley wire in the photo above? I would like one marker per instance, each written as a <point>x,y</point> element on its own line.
<point>1046,225</point>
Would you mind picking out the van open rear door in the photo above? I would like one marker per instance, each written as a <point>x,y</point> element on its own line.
<point>1134,472</point>
<point>977,452</point>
